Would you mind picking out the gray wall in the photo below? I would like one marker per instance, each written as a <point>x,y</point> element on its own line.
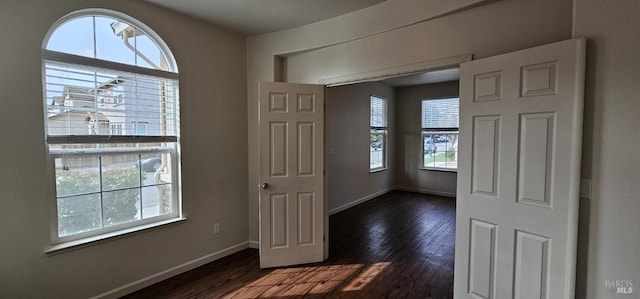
<point>347,138</point>
<point>214,158</point>
<point>347,145</point>
<point>410,176</point>
<point>609,234</point>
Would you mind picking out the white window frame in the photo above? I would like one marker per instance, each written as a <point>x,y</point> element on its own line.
<point>63,242</point>
<point>378,129</point>
<point>436,131</point>
<point>117,129</point>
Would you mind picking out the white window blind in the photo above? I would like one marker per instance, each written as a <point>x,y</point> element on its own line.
<point>378,112</point>
<point>440,113</point>
<point>85,101</point>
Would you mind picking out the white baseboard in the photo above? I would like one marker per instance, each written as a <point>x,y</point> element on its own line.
<point>359,201</point>
<point>426,191</point>
<point>254,244</point>
<point>155,278</point>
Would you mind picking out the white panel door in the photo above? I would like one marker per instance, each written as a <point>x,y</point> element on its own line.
<point>292,206</point>
<point>518,175</point>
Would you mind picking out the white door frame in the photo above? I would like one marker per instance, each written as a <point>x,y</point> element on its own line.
<point>397,71</point>
<point>374,75</point>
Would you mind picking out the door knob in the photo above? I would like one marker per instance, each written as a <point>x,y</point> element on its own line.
<point>264,186</point>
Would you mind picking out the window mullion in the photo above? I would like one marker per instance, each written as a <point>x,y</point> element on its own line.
<point>80,61</point>
<point>95,43</point>
<point>102,139</point>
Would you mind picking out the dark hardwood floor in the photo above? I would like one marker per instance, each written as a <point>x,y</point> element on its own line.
<point>399,245</point>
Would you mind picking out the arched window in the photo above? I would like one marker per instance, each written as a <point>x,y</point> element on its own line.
<point>112,125</point>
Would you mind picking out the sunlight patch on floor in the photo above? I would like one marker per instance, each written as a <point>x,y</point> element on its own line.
<point>365,277</point>
<point>310,280</point>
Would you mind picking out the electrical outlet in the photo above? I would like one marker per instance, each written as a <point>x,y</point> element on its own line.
<point>216,228</point>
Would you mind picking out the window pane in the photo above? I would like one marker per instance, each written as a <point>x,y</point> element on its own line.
<point>147,48</point>
<point>121,206</point>
<point>77,175</point>
<point>78,214</point>
<point>441,113</point>
<point>156,200</point>
<point>74,37</point>
<point>111,46</point>
<point>440,150</point>
<point>120,172</point>
<point>377,148</point>
<point>156,169</point>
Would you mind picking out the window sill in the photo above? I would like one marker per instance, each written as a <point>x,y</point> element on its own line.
<point>98,239</point>
<point>439,169</point>
<point>378,170</point>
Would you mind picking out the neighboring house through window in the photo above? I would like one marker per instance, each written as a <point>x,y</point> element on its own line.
<point>440,119</point>
<point>378,134</point>
<point>113,75</point>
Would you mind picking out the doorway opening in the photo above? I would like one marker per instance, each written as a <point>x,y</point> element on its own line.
<point>353,189</point>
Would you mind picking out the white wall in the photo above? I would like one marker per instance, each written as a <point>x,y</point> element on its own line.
<point>609,230</point>
<point>347,144</point>
<point>410,176</point>
<point>393,33</point>
<point>214,155</point>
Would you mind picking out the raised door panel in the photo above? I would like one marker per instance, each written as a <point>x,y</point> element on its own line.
<point>536,158</point>
<point>531,269</point>
<point>487,87</point>
<point>278,150</point>
<point>486,150</point>
<point>278,102</point>
<point>538,79</point>
<point>279,206</point>
<point>306,224</point>
<point>305,149</point>
<point>482,248</point>
<point>306,103</point>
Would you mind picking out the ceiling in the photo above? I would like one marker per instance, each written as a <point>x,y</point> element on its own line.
<point>251,17</point>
